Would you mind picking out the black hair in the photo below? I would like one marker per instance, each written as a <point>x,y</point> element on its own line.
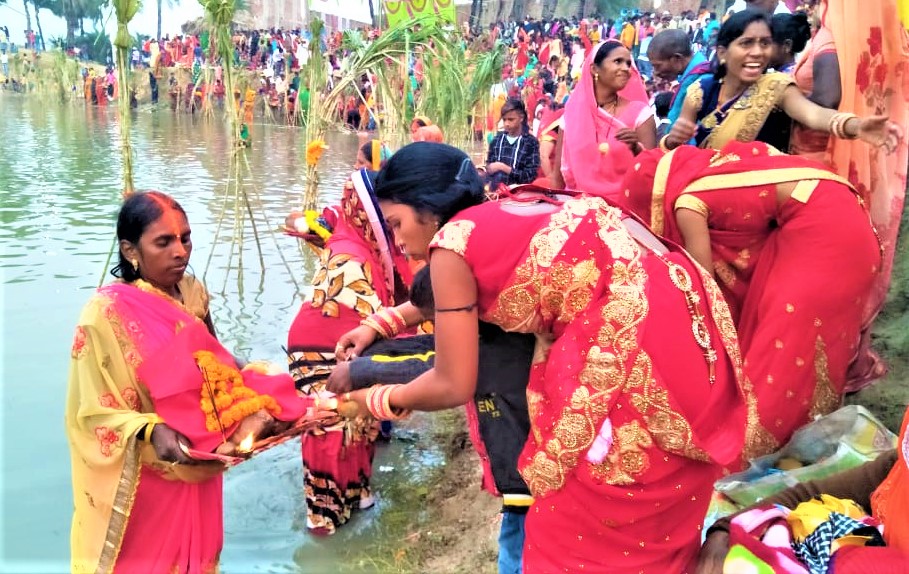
<point>366,150</point>
<point>792,27</point>
<point>137,213</point>
<point>433,178</point>
<point>421,290</point>
<point>662,102</point>
<point>606,49</point>
<point>668,43</point>
<point>733,28</point>
<point>516,105</point>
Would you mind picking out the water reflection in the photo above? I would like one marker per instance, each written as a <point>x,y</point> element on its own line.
<point>59,193</point>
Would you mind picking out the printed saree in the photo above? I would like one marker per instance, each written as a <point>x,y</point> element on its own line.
<point>796,274</point>
<point>359,271</point>
<point>625,440</point>
<point>593,160</point>
<point>124,497</point>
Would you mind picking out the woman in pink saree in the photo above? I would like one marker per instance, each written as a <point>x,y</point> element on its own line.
<point>136,405</point>
<point>607,122</point>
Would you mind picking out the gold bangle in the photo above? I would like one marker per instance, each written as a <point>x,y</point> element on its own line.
<point>663,145</point>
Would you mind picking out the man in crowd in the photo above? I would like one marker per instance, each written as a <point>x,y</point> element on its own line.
<point>673,59</point>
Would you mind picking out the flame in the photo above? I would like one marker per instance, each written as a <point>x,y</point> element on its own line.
<point>246,444</point>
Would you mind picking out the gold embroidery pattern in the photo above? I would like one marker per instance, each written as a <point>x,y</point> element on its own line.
<point>523,305</point>
<point>825,399</point>
<point>693,203</point>
<point>604,375</point>
<point>758,440</point>
<point>627,458</point>
<point>695,95</point>
<point>454,236</point>
<point>719,159</point>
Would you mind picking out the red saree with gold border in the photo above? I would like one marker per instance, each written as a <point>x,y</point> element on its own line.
<point>798,275</point>
<point>628,434</point>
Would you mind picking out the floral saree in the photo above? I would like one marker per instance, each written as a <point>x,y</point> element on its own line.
<point>628,433</point>
<point>797,274</point>
<point>132,364</point>
<point>873,53</point>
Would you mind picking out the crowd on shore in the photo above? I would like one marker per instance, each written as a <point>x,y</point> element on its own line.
<point>668,263</point>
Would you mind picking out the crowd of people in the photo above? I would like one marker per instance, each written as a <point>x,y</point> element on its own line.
<point>631,302</point>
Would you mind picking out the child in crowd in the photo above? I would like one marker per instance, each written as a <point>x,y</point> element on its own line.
<point>514,154</point>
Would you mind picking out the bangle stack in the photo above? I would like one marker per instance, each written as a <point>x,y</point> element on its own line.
<point>379,405</point>
<point>388,323</point>
<point>837,125</point>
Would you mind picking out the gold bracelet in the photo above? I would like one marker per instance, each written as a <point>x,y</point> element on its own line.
<point>837,125</point>
<point>663,145</point>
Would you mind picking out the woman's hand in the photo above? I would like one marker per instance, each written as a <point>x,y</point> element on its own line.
<point>879,132</point>
<point>353,342</point>
<point>629,137</point>
<point>713,553</point>
<point>339,379</point>
<point>291,220</point>
<point>353,404</point>
<point>681,133</point>
<point>166,442</point>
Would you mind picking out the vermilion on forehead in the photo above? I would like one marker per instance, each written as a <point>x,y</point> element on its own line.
<point>171,217</point>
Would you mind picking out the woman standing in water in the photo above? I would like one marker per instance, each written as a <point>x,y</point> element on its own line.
<point>138,400</point>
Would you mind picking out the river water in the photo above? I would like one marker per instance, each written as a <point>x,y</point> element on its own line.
<point>60,183</point>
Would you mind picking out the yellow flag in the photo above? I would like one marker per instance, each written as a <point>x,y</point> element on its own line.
<point>400,10</point>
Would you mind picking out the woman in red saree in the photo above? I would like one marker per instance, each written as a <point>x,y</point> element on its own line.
<point>136,398</point>
<point>359,272</point>
<point>607,122</point>
<point>794,251</point>
<point>625,401</point>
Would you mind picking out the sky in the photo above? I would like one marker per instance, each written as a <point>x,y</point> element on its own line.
<point>12,15</point>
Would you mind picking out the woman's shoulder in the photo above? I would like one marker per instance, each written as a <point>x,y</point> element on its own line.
<point>775,79</point>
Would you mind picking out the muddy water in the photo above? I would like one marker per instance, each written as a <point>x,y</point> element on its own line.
<point>59,193</point>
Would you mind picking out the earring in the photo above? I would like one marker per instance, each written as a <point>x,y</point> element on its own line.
<point>722,61</point>
<point>135,264</point>
<point>596,77</point>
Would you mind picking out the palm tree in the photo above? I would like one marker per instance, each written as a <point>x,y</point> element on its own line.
<point>170,4</point>
<point>39,4</point>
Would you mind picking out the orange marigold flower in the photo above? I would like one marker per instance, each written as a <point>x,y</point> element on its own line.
<point>314,151</point>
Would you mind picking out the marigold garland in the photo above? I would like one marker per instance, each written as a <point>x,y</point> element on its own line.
<point>233,401</point>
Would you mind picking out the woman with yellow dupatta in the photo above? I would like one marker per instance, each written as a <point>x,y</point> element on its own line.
<point>743,102</point>
<point>148,382</point>
<point>794,251</point>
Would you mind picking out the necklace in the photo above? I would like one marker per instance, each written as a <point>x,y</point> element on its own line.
<point>604,146</point>
<point>682,280</point>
